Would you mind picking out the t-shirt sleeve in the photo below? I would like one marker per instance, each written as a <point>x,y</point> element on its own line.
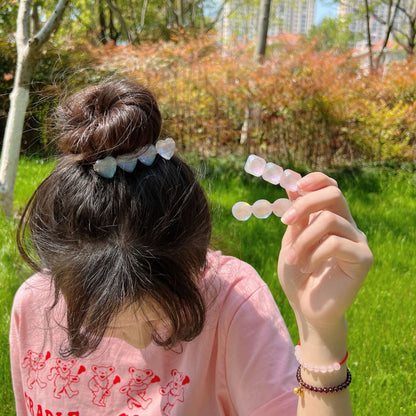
<point>15,354</point>
<point>260,364</point>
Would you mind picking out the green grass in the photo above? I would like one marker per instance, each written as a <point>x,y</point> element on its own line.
<point>382,322</point>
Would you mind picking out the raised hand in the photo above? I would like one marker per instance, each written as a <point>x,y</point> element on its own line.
<point>324,257</point>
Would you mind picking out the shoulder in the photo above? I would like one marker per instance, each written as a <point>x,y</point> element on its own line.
<point>233,273</point>
<point>237,288</point>
<point>37,290</point>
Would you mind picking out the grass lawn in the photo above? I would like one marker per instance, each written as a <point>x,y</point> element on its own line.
<point>382,321</point>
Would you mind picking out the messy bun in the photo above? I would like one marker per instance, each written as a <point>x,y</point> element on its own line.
<point>114,118</point>
<point>110,243</point>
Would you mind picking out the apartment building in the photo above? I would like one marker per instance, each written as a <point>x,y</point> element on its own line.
<point>349,9</point>
<point>240,18</point>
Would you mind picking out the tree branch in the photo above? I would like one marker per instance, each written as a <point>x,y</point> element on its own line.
<point>403,45</point>
<point>216,18</point>
<point>403,10</point>
<point>123,24</point>
<point>143,14</point>
<point>389,29</point>
<point>51,24</point>
<point>23,22</point>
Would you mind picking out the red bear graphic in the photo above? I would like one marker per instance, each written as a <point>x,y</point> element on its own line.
<point>35,362</point>
<point>62,377</point>
<point>100,384</point>
<point>136,389</point>
<point>173,392</point>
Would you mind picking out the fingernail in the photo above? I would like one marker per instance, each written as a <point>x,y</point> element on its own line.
<point>291,257</point>
<point>289,216</point>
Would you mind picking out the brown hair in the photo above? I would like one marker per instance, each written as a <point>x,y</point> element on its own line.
<point>110,243</point>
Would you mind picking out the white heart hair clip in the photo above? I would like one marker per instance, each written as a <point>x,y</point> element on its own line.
<point>107,167</point>
<point>271,173</point>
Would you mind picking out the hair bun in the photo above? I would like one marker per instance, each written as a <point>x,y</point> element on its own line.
<point>113,118</point>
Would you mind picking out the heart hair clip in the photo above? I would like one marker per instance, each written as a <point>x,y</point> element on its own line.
<point>275,175</point>
<point>107,167</point>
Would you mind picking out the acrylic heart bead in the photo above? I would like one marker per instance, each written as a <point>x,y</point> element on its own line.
<point>280,206</point>
<point>166,148</point>
<point>241,211</point>
<point>261,208</point>
<point>147,157</point>
<point>106,167</point>
<point>289,179</point>
<point>127,162</point>
<point>255,165</point>
<point>272,173</point>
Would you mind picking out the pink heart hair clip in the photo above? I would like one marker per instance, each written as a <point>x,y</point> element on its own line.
<point>275,175</point>
<point>107,167</point>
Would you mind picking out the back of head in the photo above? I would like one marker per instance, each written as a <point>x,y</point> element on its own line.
<point>110,243</point>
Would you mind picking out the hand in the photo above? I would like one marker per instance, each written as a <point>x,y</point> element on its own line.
<point>324,257</point>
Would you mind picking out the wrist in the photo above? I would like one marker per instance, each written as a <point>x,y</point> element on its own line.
<point>323,344</point>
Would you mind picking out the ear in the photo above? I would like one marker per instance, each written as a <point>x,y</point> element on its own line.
<point>132,370</point>
<point>174,372</point>
<point>58,361</point>
<point>111,369</point>
<point>94,368</point>
<point>149,372</point>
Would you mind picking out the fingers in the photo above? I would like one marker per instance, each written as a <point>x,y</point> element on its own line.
<point>328,198</point>
<point>323,225</point>
<point>315,181</point>
<point>330,236</point>
<point>354,258</point>
<point>311,182</point>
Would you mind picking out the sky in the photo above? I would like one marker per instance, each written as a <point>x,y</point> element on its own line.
<point>324,9</point>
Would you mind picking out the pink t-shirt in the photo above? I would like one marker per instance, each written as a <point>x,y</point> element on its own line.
<point>241,364</point>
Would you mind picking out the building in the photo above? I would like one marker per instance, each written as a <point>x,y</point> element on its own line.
<point>240,18</point>
<point>348,11</point>
<point>292,17</point>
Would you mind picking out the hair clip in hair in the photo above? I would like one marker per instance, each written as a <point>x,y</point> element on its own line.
<point>127,162</point>
<point>166,148</point>
<point>107,167</point>
<point>148,156</point>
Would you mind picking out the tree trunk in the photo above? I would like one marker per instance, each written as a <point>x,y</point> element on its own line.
<point>263,27</point>
<point>27,50</point>
<point>369,43</point>
<point>19,100</point>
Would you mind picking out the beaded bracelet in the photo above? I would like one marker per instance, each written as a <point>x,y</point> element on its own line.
<point>318,368</point>
<point>302,385</point>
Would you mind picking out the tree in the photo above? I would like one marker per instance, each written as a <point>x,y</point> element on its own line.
<point>332,34</point>
<point>133,21</point>
<point>28,43</point>
<point>398,18</point>
<point>263,26</point>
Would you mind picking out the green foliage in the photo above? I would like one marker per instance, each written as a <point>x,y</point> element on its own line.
<point>332,34</point>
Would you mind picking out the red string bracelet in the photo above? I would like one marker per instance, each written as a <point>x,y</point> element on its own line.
<point>302,385</point>
<point>318,368</point>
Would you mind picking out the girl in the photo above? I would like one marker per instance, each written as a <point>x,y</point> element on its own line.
<point>131,314</point>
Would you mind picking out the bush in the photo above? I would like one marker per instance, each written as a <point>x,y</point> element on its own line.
<point>303,107</point>
<point>313,108</point>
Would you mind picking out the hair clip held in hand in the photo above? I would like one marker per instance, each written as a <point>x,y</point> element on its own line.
<point>271,173</point>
